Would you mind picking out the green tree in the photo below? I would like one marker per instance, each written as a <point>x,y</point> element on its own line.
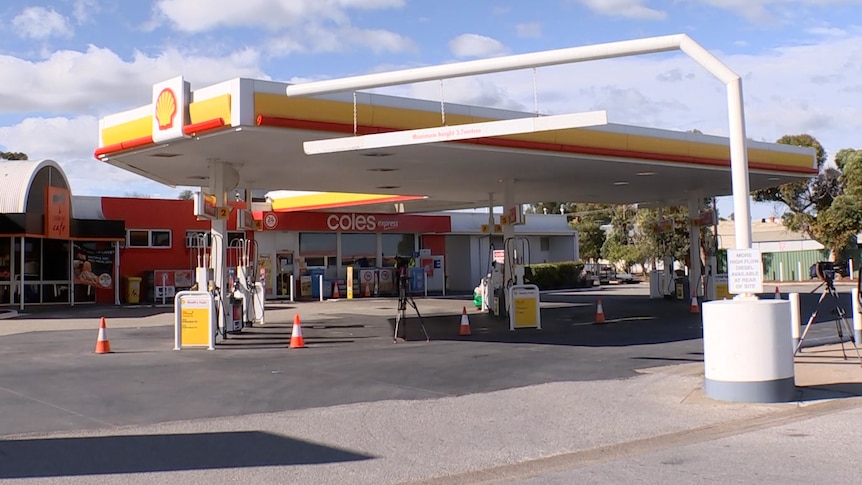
<point>826,207</point>
<point>13,156</point>
<point>186,195</point>
<point>591,238</point>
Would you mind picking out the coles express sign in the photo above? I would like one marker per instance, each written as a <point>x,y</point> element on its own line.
<point>359,223</point>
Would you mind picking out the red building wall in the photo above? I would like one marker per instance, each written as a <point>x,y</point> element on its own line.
<point>174,215</point>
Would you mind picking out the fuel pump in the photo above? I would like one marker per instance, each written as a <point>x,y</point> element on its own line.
<point>247,294</point>
<point>205,279</point>
<point>491,285</point>
<point>517,257</point>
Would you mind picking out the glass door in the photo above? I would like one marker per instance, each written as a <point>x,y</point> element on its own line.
<point>5,271</point>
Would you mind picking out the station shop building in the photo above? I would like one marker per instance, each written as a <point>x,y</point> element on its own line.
<point>86,249</point>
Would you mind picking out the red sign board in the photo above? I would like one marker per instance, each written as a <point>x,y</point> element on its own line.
<point>57,213</point>
<point>346,222</point>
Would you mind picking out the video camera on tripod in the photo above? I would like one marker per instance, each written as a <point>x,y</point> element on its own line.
<point>823,270</point>
<point>402,275</point>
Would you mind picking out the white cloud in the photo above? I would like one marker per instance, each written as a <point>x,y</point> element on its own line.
<point>475,45</point>
<point>317,38</point>
<point>188,16</point>
<point>98,80</point>
<point>299,25</point>
<point>70,142</point>
<point>529,29</point>
<point>827,31</point>
<point>765,11</point>
<point>85,10</point>
<point>633,9</point>
<point>41,23</point>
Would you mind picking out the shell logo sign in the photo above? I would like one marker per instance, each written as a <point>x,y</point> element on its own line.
<point>169,109</point>
<point>166,109</point>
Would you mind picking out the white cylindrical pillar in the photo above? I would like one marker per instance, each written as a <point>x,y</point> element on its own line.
<point>320,286</point>
<point>781,271</point>
<point>857,317</point>
<point>292,288</point>
<point>799,270</point>
<point>747,351</point>
<point>795,318</point>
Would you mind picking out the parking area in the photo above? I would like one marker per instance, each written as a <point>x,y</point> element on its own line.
<point>50,380</point>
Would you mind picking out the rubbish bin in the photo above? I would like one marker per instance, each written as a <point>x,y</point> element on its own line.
<point>681,289</point>
<point>133,290</point>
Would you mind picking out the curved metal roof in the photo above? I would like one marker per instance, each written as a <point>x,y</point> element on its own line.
<point>16,176</point>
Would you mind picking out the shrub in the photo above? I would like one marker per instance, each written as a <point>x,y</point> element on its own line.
<point>555,276</point>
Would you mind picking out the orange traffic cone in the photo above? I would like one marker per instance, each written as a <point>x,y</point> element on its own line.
<point>335,294</point>
<point>367,290</point>
<point>103,346</point>
<point>465,323</point>
<point>296,340</point>
<point>777,294</point>
<point>600,312</point>
<point>694,307</point>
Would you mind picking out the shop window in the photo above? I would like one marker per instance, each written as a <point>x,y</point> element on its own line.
<point>545,243</point>
<point>234,236</point>
<point>148,238</point>
<point>358,250</point>
<point>198,239</point>
<point>315,261</point>
<point>160,239</point>
<point>397,245</point>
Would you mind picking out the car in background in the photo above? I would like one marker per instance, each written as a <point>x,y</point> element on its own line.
<point>606,274</point>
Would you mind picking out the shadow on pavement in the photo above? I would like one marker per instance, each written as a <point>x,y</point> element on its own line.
<point>836,390</point>
<point>31,458</point>
<point>572,326</point>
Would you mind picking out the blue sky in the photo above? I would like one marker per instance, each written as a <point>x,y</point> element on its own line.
<point>65,63</point>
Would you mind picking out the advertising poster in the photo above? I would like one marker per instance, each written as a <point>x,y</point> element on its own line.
<point>94,267</point>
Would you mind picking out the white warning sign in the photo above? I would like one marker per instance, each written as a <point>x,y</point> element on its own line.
<point>744,271</point>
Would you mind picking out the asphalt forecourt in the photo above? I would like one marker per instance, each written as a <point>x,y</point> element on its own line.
<point>53,380</point>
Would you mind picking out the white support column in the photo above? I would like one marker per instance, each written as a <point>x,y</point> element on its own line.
<point>799,271</point>
<point>857,316</point>
<point>71,273</point>
<point>508,230</point>
<point>116,272</point>
<point>491,221</point>
<point>739,165</point>
<point>795,318</point>
<point>219,235</point>
<point>21,273</point>
<point>695,268</point>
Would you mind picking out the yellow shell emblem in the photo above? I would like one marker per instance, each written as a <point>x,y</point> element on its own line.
<point>166,109</point>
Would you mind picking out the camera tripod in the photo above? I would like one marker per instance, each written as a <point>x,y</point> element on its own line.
<point>403,300</point>
<point>841,324</point>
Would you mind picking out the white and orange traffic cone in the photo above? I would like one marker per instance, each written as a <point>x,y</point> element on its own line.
<point>465,323</point>
<point>103,346</point>
<point>296,340</point>
<point>367,290</point>
<point>600,312</point>
<point>777,294</point>
<point>335,294</point>
<point>694,307</point>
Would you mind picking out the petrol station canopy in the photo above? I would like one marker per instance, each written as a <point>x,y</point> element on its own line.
<point>253,127</point>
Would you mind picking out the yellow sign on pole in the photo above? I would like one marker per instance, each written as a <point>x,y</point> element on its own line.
<point>223,212</point>
<point>525,307</point>
<point>195,326</point>
<point>350,282</point>
<point>193,316</point>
